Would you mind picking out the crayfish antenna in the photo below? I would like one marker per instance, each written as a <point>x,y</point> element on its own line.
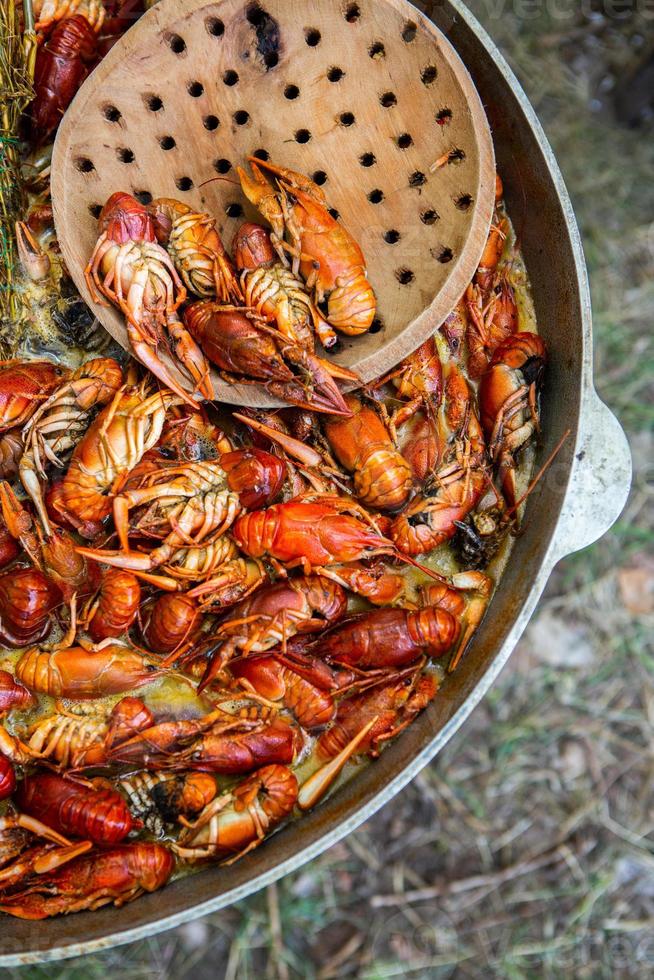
<point>34,260</point>
<point>315,787</point>
<point>546,465</point>
<point>416,564</point>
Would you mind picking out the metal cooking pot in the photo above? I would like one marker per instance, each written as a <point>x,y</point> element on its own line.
<point>578,500</point>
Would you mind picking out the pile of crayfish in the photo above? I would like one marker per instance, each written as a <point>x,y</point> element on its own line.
<point>208,617</point>
<point>257,316</point>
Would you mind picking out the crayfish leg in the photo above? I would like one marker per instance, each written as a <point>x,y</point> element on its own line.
<point>315,787</point>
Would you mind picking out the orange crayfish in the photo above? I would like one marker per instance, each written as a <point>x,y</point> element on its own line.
<point>310,533</point>
<point>246,348</point>
<point>218,743</point>
<point>132,270</point>
<point>235,822</point>
<point>509,403</point>
<point>196,249</point>
<point>387,638</point>
<point>60,422</point>
<point>275,292</point>
<point>74,672</point>
<point>119,875</point>
<point>273,614</point>
<point>456,482</point>
<point>323,251</point>
<point>71,806</point>
<point>112,446</point>
<point>363,445</point>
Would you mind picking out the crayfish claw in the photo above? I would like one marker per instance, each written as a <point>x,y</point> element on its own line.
<point>149,356</point>
<point>191,357</point>
<point>293,178</point>
<point>135,561</point>
<point>322,392</point>
<point>33,259</point>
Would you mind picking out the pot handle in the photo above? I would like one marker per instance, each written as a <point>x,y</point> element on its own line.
<point>599,482</point>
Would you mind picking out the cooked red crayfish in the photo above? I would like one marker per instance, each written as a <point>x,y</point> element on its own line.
<point>113,609</point>
<point>245,348</point>
<point>310,534</point>
<point>455,485</point>
<point>74,741</point>
<point>238,821</point>
<point>74,672</point>
<point>21,857</point>
<point>418,381</point>
<point>171,622</point>
<point>509,403</point>
<point>393,706</point>
<point>27,600</point>
<point>255,475</point>
<point>119,875</point>
<point>490,323</point>
<point>24,385</point>
<point>362,724</point>
<point>55,555</point>
<point>135,273</point>
<point>194,245</point>
<point>485,274</point>
<point>490,297</point>
<point>387,638</point>
<point>274,291</point>
<point>272,615</point>
<point>70,806</point>
<point>323,251</point>
<point>218,743</point>
<point>189,436</point>
<point>127,718</point>
<point>236,579</point>
<point>216,561</point>
<point>299,684</point>
<point>59,423</point>
<point>189,505</point>
<point>62,64</point>
<point>373,580</point>
<point>112,446</point>
<point>363,445</point>
<point>69,739</point>
<point>466,598</point>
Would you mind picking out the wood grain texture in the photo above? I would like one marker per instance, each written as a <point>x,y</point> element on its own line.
<point>368,94</point>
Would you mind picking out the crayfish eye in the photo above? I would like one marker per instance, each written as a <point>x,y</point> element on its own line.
<point>532,370</point>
